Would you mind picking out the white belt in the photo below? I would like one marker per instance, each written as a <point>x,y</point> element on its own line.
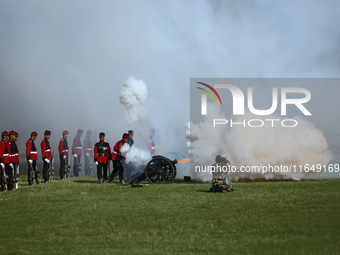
<point>48,150</point>
<point>115,152</point>
<point>89,149</point>
<point>65,150</point>
<point>33,152</point>
<point>153,148</point>
<point>5,154</point>
<point>78,147</point>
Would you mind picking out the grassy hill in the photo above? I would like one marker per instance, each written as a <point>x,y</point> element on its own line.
<point>79,216</point>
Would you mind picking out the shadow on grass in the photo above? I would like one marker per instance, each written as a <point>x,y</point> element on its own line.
<point>86,181</point>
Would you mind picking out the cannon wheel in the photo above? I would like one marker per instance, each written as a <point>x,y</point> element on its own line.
<point>159,170</point>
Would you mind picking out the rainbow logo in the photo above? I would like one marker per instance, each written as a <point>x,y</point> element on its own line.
<point>209,93</point>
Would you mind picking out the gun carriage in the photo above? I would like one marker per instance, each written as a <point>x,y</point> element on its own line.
<point>157,171</point>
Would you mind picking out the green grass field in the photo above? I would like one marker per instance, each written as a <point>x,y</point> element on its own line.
<point>79,216</point>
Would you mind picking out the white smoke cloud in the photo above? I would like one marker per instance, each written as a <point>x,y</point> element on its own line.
<point>249,146</point>
<point>134,154</point>
<point>133,94</point>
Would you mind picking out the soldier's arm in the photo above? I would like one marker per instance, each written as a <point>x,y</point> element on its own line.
<point>43,149</point>
<point>74,145</point>
<point>95,153</point>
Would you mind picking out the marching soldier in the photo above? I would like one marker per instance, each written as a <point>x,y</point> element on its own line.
<point>130,140</point>
<point>63,155</point>
<point>117,158</point>
<point>4,160</point>
<point>87,147</point>
<point>13,159</point>
<point>77,152</point>
<point>32,157</point>
<point>151,143</point>
<point>102,153</point>
<point>46,154</point>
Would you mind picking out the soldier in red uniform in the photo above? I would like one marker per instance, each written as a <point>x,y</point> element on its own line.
<point>4,160</point>
<point>32,157</point>
<point>77,151</point>
<point>87,147</point>
<point>13,159</point>
<point>117,158</point>
<point>102,153</point>
<point>63,156</point>
<point>151,143</point>
<point>46,154</point>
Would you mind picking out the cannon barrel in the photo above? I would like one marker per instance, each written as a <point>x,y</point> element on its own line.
<point>174,161</point>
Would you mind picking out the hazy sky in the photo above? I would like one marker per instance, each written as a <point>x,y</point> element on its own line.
<point>63,62</point>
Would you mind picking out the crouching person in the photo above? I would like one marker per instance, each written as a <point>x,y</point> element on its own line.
<point>219,171</point>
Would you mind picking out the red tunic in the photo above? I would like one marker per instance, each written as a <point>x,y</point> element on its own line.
<point>4,156</point>
<point>151,145</point>
<point>102,152</point>
<point>76,146</point>
<point>13,152</point>
<point>87,146</point>
<point>116,155</point>
<point>31,151</point>
<point>63,148</point>
<point>46,149</point>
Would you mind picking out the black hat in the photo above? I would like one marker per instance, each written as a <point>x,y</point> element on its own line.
<point>218,159</point>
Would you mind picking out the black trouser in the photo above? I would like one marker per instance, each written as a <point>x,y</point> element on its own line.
<point>75,162</point>
<point>11,172</point>
<point>117,166</point>
<point>101,166</point>
<point>87,165</point>
<point>34,164</point>
<point>63,165</point>
<point>45,173</point>
<point>6,173</point>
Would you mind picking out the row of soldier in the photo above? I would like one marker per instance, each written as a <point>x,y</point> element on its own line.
<point>101,152</point>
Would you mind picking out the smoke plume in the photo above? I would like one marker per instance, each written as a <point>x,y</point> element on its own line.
<point>133,94</point>
<point>250,146</point>
<point>134,154</point>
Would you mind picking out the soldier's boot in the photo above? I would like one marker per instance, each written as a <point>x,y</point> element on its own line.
<point>29,182</point>
<point>100,181</point>
<point>218,190</point>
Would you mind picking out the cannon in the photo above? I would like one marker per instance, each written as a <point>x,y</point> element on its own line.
<point>157,171</point>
